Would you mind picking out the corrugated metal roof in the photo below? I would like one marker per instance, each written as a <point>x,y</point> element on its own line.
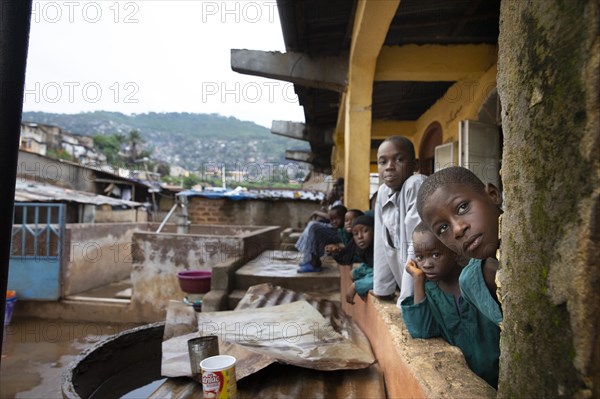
<point>26,191</point>
<point>297,382</point>
<point>286,381</point>
<point>256,194</point>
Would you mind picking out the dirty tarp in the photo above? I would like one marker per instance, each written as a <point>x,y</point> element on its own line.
<point>293,333</point>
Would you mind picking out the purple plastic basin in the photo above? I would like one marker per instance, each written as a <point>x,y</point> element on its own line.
<point>195,281</point>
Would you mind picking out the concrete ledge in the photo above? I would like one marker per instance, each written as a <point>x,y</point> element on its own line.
<point>87,311</point>
<point>412,368</point>
<point>214,301</point>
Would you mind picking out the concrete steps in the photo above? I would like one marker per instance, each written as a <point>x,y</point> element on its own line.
<point>279,268</point>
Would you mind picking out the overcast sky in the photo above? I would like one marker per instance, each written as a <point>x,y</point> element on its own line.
<point>154,55</point>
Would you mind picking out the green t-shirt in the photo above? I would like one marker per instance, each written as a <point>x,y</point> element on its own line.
<point>476,292</point>
<point>461,324</point>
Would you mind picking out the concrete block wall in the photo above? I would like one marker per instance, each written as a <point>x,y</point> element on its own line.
<point>208,211</point>
<point>256,212</point>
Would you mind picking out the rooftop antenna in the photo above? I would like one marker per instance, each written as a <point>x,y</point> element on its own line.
<point>223,176</point>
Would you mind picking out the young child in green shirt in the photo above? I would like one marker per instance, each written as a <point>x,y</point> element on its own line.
<point>438,309</point>
<point>362,276</point>
<point>463,212</point>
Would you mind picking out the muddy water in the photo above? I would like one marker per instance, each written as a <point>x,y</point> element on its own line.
<point>35,353</point>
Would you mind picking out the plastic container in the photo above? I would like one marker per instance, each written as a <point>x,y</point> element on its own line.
<point>195,281</point>
<point>218,377</point>
<point>11,299</point>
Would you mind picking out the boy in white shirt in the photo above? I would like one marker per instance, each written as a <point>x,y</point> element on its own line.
<point>395,216</point>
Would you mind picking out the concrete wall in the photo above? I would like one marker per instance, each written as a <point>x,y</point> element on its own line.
<point>96,255</point>
<point>159,257</point>
<point>139,215</point>
<point>42,169</point>
<point>549,87</point>
<point>284,213</point>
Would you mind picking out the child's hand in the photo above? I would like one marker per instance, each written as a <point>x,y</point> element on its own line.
<point>351,294</point>
<point>418,280</point>
<point>413,269</point>
<point>332,248</point>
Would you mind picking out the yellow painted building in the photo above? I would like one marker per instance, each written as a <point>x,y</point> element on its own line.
<point>369,70</point>
<point>473,67</point>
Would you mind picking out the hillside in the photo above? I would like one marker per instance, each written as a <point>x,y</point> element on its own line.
<point>184,139</point>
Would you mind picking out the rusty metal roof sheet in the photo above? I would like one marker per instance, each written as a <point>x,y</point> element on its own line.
<point>37,192</point>
<point>285,381</point>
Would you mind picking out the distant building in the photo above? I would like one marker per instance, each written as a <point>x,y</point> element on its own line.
<point>178,171</point>
<point>40,139</point>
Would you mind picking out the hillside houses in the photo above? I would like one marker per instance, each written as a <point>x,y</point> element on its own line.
<point>92,190</point>
<point>41,138</point>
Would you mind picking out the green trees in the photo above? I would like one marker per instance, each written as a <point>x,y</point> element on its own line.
<point>122,150</point>
<point>110,145</point>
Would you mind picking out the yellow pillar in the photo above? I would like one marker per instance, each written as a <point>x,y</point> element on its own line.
<point>371,24</point>
<point>337,156</point>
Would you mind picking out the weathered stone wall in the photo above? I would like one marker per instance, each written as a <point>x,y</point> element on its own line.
<point>549,89</point>
<point>138,215</point>
<point>157,258</point>
<point>96,255</point>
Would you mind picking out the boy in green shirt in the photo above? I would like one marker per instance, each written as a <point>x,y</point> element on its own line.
<point>463,213</point>
<point>438,309</point>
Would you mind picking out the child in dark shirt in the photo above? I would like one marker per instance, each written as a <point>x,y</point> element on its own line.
<point>362,276</point>
<point>344,252</point>
<point>438,309</point>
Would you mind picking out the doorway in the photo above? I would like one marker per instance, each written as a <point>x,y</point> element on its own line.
<point>431,139</point>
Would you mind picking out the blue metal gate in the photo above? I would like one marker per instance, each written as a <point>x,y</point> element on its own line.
<point>36,250</point>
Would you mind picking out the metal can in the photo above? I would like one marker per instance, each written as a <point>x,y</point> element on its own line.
<point>201,348</point>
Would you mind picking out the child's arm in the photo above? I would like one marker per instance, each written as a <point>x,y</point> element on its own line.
<point>419,319</point>
<point>418,280</point>
<point>410,220</point>
<point>384,283</point>
<point>346,255</point>
<point>319,215</point>
<point>351,293</point>
<point>364,283</point>
<point>333,248</point>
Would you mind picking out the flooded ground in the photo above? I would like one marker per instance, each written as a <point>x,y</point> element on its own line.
<point>35,352</point>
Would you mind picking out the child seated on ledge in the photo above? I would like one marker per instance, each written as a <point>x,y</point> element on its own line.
<point>362,276</point>
<point>463,214</point>
<point>343,252</point>
<point>316,236</point>
<point>438,309</point>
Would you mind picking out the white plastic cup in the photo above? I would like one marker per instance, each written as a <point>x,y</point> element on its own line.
<point>218,377</point>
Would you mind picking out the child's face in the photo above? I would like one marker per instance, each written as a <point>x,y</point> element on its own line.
<point>465,220</point>
<point>395,164</point>
<point>363,235</point>
<point>336,219</point>
<point>434,258</point>
<point>348,218</point>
